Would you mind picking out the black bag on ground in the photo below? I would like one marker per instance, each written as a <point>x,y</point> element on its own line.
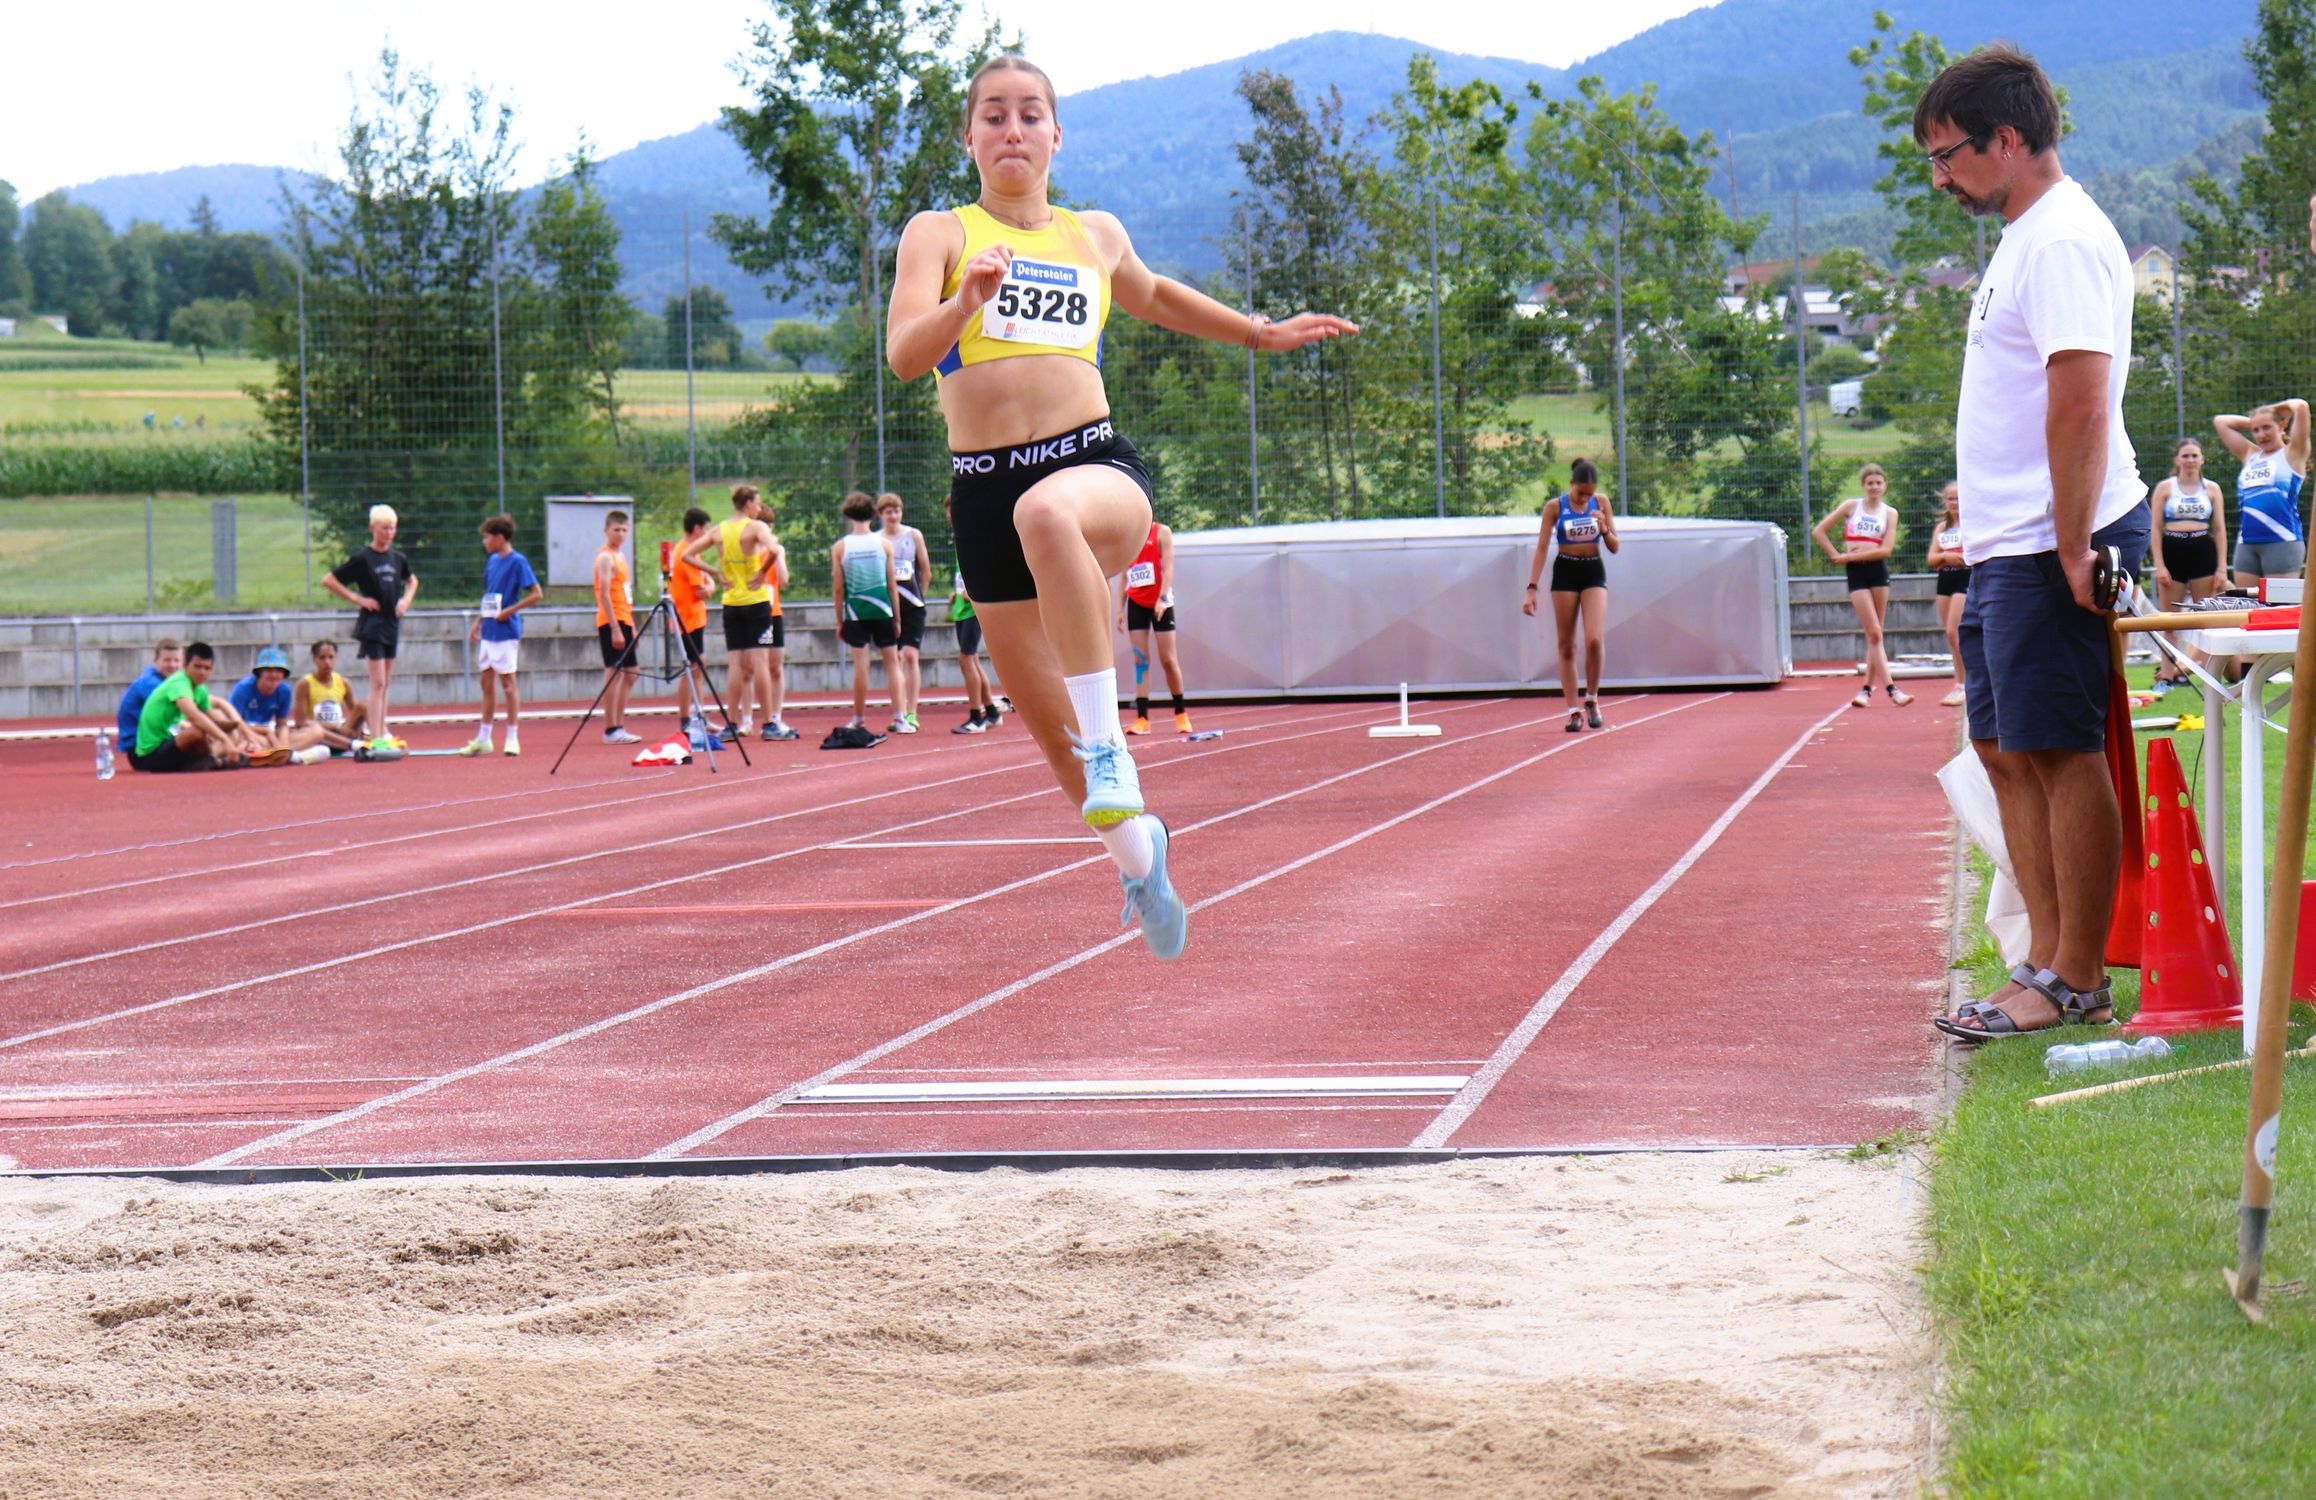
<point>850,737</point>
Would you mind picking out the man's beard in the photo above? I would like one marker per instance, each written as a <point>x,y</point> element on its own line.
<point>1979,207</point>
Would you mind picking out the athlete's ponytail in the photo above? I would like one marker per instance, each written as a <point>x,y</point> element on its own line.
<point>1583,471</point>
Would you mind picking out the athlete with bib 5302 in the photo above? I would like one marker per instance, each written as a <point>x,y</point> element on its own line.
<point>1005,299</point>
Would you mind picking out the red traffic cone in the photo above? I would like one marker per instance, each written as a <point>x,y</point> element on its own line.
<point>2304,948</point>
<point>2189,980</point>
<point>2125,930</point>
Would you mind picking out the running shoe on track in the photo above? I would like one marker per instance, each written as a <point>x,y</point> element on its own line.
<point>621,737</point>
<point>1864,699</point>
<point>475,746</point>
<point>1591,711</point>
<point>1901,699</point>
<point>1182,724</point>
<point>514,746</point>
<point>971,726</point>
<point>1151,900</point>
<point>912,718</point>
<point>1575,721</point>
<point>902,725</point>
<point>1002,704</point>
<point>1954,699</point>
<point>1113,786</point>
<point>1139,726</point>
<point>778,732</point>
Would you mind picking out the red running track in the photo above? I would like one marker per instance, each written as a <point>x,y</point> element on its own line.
<point>1722,922</point>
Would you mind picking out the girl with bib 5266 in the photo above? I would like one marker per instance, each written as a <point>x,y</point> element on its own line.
<point>1004,299</point>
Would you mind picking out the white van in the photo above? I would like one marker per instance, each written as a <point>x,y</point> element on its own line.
<point>1847,398</point>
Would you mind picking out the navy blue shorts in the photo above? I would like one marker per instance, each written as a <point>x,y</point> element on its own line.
<point>2037,664</point>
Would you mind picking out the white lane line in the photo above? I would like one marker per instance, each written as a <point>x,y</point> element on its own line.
<point>690,788</point>
<point>954,843</point>
<point>243,833</point>
<point>985,1090</point>
<point>721,830</point>
<point>549,1044</point>
<point>1155,1107</point>
<point>795,1091</point>
<point>1273,1065</point>
<point>686,879</point>
<point>415,807</point>
<point>1475,1093</point>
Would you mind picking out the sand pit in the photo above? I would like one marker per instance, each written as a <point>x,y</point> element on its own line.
<point>1634,1326</point>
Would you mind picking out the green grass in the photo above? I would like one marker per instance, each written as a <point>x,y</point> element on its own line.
<point>86,554</point>
<point>2092,1348</point>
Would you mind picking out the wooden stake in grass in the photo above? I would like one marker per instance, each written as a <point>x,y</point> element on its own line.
<point>2276,977</point>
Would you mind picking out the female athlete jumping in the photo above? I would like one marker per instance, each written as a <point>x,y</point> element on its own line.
<point>1004,299</point>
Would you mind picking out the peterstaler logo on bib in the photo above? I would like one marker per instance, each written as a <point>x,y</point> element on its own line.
<point>1044,302</point>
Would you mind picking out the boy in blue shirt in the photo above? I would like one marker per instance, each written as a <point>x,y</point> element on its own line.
<point>168,661</point>
<point>509,588</point>
<point>263,700</point>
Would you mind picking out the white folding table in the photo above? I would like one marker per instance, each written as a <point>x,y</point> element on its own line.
<point>2269,652</point>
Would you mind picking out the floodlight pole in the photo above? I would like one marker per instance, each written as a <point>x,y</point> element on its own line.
<point>1616,306</point>
<point>1800,366</point>
<point>1254,459</point>
<point>1438,418</point>
<point>691,404</point>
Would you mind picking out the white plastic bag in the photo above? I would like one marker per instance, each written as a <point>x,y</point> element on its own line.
<point>1971,795</point>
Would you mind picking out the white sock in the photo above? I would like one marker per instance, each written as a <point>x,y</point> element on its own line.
<point>1095,697</point>
<point>1130,845</point>
<point>483,733</point>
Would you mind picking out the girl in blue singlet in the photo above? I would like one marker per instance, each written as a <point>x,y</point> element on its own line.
<point>1005,299</point>
<point>1580,522</point>
<point>2272,446</point>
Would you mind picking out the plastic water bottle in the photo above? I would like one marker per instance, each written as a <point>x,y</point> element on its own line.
<point>104,755</point>
<point>2078,1057</point>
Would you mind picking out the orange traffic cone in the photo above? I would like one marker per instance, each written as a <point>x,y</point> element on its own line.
<point>2189,980</point>
<point>2125,930</point>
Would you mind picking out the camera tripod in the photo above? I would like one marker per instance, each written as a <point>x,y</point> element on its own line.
<point>675,665</point>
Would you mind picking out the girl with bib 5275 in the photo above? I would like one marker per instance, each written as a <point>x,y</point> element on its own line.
<point>1004,299</point>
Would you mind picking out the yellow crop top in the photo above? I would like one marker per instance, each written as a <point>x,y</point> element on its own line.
<point>1054,300</point>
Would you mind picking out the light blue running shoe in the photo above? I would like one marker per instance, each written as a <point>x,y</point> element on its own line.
<point>1165,920</point>
<point>1113,786</point>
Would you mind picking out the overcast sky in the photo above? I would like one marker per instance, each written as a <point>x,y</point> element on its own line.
<point>138,86</point>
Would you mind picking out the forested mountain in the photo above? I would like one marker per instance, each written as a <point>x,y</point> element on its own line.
<point>2156,90</point>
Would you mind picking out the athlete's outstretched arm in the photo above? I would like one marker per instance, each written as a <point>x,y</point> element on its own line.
<point>919,326</point>
<point>1144,294</point>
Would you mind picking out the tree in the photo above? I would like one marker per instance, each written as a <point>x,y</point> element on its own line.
<point>1633,204</point>
<point>207,323</point>
<point>429,290</point>
<point>1449,166</point>
<point>797,340</point>
<point>858,105</point>
<point>15,282</point>
<point>715,338</point>
<point>2245,270</point>
<point>68,252</point>
<point>1300,224</point>
<point>1894,71</point>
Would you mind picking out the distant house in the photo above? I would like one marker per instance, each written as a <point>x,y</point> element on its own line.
<point>2152,271</point>
<point>7,328</point>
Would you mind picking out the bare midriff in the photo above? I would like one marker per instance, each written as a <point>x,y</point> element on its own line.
<point>1001,402</point>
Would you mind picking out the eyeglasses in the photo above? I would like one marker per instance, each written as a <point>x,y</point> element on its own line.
<point>1943,161</point>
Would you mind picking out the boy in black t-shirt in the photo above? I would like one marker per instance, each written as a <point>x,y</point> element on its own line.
<point>377,581</point>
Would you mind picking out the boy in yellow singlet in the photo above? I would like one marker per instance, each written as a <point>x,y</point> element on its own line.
<point>754,568</point>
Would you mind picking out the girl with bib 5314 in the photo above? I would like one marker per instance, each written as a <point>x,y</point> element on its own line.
<point>1005,299</point>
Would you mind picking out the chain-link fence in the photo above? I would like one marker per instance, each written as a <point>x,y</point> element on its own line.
<point>513,377</point>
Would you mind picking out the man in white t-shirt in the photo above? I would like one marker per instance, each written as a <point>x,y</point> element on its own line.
<point>2049,478</point>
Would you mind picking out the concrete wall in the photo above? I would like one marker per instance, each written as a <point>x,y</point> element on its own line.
<point>561,660</point>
